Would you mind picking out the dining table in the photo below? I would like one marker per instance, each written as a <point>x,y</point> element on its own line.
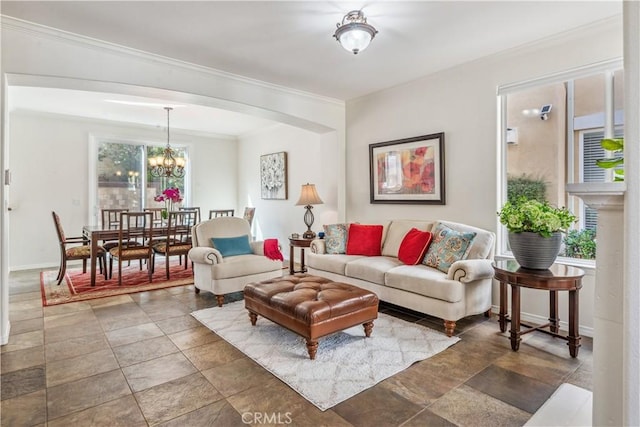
<point>96,233</point>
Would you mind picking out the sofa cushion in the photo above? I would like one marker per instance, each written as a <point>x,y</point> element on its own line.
<point>482,246</point>
<point>414,246</point>
<point>335,238</point>
<point>396,232</point>
<point>334,263</point>
<point>364,240</point>
<point>371,269</point>
<point>448,246</point>
<point>426,281</point>
<point>230,246</point>
<point>244,265</point>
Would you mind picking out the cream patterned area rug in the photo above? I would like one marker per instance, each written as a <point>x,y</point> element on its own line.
<point>346,363</point>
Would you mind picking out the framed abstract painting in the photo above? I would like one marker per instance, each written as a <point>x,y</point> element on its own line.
<point>409,170</point>
<point>273,176</point>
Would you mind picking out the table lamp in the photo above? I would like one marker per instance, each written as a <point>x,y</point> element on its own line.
<point>309,196</point>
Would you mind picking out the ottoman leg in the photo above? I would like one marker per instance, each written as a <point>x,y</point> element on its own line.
<point>312,348</point>
<point>368,327</point>
<point>253,317</point>
<point>220,300</point>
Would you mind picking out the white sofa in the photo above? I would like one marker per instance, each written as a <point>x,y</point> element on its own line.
<point>223,275</point>
<point>463,291</point>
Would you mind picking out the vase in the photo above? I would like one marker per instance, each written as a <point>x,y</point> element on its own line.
<point>534,251</point>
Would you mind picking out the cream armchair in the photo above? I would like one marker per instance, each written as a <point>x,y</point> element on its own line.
<point>223,275</point>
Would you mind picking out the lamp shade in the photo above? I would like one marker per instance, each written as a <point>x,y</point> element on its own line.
<point>309,196</point>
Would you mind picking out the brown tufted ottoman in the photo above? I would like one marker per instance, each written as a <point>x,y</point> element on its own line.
<point>311,306</point>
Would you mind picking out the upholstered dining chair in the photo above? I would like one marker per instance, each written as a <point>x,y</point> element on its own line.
<point>191,208</point>
<point>157,214</point>
<point>135,241</point>
<point>177,241</point>
<point>111,221</point>
<point>216,213</point>
<point>80,251</point>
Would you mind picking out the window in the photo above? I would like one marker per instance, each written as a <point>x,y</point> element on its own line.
<point>551,131</point>
<point>122,179</point>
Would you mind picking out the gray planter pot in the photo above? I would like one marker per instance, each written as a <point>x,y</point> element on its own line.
<point>531,250</point>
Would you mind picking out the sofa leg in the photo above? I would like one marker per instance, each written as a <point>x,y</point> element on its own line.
<point>197,290</point>
<point>487,313</point>
<point>220,299</point>
<point>449,327</point>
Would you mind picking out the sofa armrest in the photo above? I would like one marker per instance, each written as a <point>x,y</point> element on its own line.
<point>317,246</point>
<point>469,270</point>
<point>205,255</point>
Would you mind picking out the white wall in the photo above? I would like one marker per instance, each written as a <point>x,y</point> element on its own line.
<point>310,159</point>
<point>49,157</point>
<point>461,102</point>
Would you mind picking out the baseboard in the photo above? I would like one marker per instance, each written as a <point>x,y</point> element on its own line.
<point>584,331</point>
<point>4,336</point>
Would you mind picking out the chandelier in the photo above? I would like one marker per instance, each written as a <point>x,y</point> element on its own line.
<point>167,165</point>
<point>354,34</point>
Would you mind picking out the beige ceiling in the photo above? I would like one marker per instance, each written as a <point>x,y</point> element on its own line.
<point>290,43</point>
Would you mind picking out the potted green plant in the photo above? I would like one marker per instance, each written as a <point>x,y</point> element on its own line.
<point>535,231</point>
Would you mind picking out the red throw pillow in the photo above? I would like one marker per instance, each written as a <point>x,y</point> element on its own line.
<point>364,240</point>
<point>414,246</point>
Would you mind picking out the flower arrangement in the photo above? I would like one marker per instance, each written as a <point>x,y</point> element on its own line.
<point>535,217</point>
<point>169,196</point>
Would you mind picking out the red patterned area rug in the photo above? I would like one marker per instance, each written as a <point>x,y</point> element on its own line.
<point>76,285</point>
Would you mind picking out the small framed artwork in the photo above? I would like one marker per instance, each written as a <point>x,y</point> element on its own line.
<point>409,170</point>
<point>273,176</point>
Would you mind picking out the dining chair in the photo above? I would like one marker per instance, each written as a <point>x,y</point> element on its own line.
<point>215,213</point>
<point>81,251</point>
<point>248,214</point>
<point>111,221</point>
<point>191,208</point>
<point>157,214</point>
<point>135,241</point>
<point>177,241</point>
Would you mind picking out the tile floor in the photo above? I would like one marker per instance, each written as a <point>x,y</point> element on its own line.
<point>141,359</point>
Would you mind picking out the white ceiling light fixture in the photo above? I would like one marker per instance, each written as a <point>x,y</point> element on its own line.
<point>354,34</point>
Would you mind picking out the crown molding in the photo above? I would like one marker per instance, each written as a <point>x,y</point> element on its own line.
<point>43,31</point>
<point>178,133</point>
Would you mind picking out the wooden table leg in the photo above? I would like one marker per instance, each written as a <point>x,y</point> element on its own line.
<point>94,255</point>
<point>515,318</point>
<point>574,333</point>
<point>503,307</point>
<point>553,311</point>
<point>291,262</point>
<point>302,268</point>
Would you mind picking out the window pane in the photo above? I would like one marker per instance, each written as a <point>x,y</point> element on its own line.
<point>544,152</point>
<point>119,176</point>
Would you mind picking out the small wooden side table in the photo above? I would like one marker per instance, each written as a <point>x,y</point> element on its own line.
<point>557,278</point>
<point>302,244</point>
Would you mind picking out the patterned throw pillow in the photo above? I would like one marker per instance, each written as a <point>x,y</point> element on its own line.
<point>447,247</point>
<point>335,238</point>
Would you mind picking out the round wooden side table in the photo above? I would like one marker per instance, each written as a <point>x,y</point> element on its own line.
<point>557,278</point>
<point>302,244</point>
